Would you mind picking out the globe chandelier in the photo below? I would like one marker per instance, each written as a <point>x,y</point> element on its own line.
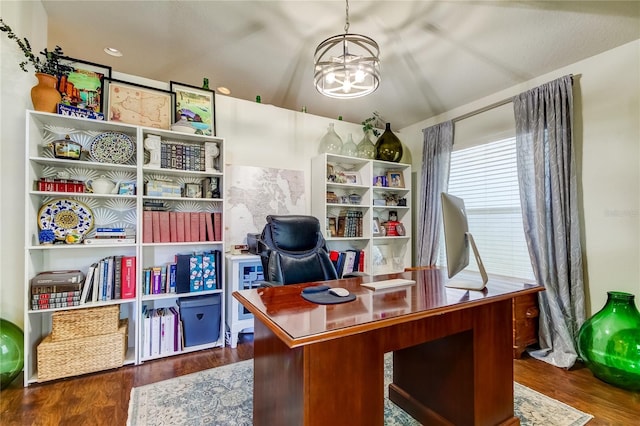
<point>347,65</point>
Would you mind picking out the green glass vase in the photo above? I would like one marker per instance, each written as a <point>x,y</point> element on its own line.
<point>609,342</point>
<point>11,352</point>
<point>388,146</point>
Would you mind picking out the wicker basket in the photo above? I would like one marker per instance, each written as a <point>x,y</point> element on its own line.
<point>66,358</point>
<point>77,323</point>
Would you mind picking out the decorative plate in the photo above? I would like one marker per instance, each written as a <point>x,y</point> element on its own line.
<point>63,215</point>
<point>112,147</point>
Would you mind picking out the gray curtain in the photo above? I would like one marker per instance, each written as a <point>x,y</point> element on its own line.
<point>548,194</point>
<point>436,157</point>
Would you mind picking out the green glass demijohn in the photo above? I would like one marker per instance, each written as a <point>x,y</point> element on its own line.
<point>349,148</point>
<point>11,352</point>
<point>609,342</point>
<point>331,142</point>
<point>366,148</point>
<point>388,146</point>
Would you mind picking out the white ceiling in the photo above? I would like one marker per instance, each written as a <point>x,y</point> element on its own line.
<point>435,55</point>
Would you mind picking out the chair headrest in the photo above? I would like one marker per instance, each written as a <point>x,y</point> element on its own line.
<point>293,233</point>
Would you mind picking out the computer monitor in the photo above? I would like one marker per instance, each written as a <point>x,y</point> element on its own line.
<point>457,240</point>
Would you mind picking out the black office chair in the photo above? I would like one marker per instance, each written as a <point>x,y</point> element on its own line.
<point>293,250</point>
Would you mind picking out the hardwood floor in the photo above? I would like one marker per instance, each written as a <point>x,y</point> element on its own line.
<point>103,398</point>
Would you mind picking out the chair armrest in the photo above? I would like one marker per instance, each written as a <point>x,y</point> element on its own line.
<point>355,274</point>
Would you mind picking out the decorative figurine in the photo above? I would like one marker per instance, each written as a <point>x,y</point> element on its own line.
<point>46,236</point>
<point>211,152</point>
<point>152,143</point>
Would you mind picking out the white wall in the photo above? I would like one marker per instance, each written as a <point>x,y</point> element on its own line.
<point>27,19</point>
<point>607,139</point>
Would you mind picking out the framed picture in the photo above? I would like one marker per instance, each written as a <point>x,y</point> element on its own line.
<point>400,229</point>
<point>197,105</point>
<point>127,188</point>
<point>332,226</point>
<point>193,190</point>
<point>137,104</point>
<point>330,173</point>
<point>352,178</point>
<point>376,230</point>
<point>380,181</point>
<point>84,86</point>
<point>395,179</point>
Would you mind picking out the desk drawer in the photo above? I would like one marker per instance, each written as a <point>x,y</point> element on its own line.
<point>525,322</point>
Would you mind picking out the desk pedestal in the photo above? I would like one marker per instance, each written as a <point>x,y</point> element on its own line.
<point>451,368</point>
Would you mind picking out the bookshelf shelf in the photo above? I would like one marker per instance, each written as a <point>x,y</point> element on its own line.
<point>115,210</point>
<point>383,254</point>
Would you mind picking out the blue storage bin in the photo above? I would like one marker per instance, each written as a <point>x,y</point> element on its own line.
<point>200,319</point>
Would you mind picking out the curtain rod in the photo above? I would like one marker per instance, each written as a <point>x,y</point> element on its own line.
<point>494,105</point>
<point>483,109</point>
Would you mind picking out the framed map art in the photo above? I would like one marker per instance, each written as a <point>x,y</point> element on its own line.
<point>137,104</point>
<point>196,105</point>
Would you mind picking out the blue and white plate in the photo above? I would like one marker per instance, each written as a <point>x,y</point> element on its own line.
<point>63,215</point>
<point>112,147</point>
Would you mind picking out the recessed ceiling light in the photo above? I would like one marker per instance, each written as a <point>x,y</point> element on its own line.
<point>223,90</point>
<point>112,51</point>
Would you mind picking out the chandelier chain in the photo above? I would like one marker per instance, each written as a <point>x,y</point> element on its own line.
<point>346,25</point>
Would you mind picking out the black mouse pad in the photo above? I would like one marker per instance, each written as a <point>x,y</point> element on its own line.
<point>325,298</point>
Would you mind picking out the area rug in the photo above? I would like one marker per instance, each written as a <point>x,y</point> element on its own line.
<point>223,397</point>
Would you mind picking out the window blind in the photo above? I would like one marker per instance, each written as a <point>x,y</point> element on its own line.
<point>486,178</point>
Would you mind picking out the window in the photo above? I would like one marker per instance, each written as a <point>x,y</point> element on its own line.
<point>485,177</point>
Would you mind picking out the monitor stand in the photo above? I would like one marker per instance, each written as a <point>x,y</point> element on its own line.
<point>466,283</point>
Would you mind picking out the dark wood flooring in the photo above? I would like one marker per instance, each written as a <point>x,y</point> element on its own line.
<point>103,398</point>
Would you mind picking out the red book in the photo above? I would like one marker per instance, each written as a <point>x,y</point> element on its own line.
<point>203,226</point>
<point>187,226</point>
<point>217,226</point>
<point>361,262</point>
<point>147,231</point>
<point>173,227</point>
<point>209,224</point>
<point>195,226</point>
<point>180,227</point>
<point>165,236</point>
<point>156,226</point>
<point>128,277</point>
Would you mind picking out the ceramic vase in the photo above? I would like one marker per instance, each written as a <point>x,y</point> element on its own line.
<point>388,146</point>
<point>45,95</point>
<point>366,148</point>
<point>331,142</point>
<point>349,148</point>
<point>609,342</point>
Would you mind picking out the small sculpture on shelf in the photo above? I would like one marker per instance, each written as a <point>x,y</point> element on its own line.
<point>152,143</point>
<point>46,236</point>
<point>211,152</point>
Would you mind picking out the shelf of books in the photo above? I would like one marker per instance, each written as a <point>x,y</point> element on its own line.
<point>365,207</point>
<point>119,216</point>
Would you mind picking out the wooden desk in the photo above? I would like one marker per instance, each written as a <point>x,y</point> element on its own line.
<point>323,364</point>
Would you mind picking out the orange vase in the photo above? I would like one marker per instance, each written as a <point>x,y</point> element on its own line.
<point>45,95</point>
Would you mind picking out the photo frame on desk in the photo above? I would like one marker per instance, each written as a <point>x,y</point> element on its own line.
<point>198,105</point>
<point>128,102</point>
<point>84,86</point>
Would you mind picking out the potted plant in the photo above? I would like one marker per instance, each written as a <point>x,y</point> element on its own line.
<point>48,69</point>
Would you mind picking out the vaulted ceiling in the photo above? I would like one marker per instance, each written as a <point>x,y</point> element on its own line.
<point>435,55</point>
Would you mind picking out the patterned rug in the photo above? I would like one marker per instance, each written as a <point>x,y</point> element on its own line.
<point>223,397</point>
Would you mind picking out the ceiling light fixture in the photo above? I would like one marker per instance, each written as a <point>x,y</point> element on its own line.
<point>347,65</point>
<point>223,90</point>
<point>112,51</point>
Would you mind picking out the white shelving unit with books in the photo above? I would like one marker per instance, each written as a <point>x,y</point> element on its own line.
<point>109,221</point>
<point>377,194</point>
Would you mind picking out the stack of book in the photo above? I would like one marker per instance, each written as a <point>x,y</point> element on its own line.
<point>56,289</point>
<point>113,277</point>
<point>182,156</point>
<point>161,331</point>
<point>350,224</point>
<point>180,227</point>
<point>347,261</point>
<point>112,236</point>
